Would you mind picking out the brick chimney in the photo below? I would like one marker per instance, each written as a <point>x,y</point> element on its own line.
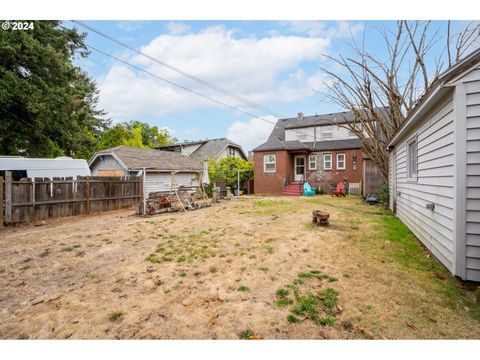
<point>300,116</point>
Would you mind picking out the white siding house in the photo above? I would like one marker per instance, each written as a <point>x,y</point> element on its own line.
<point>434,169</point>
<point>158,166</point>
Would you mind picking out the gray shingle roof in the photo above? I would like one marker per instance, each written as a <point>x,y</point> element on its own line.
<point>136,158</point>
<point>276,140</point>
<point>210,147</point>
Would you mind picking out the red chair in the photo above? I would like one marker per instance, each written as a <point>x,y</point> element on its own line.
<point>339,190</point>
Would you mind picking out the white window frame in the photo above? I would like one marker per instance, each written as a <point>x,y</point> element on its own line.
<point>411,174</point>
<point>325,162</point>
<point>344,167</point>
<point>310,162</point>
<point>269,162</point>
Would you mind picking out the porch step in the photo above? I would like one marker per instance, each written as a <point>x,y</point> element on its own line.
<point>293,189</point>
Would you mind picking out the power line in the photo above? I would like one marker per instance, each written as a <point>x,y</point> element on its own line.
<point>184,73</point>
<point>170,97</point>
<point>188,89</point>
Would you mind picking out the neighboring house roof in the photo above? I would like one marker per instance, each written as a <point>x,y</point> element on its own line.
<point>133,158</point>
<point>276,140</point>
<point>437,91</point>
<point>209,147</point>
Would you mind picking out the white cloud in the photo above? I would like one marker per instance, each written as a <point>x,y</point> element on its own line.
<point>251,133</point>
<point>177,28</point>
<point>259,69</point>
<point>314,28</point>
<point>129,25</point>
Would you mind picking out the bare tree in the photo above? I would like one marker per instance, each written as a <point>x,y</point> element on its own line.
<point>381,93</point>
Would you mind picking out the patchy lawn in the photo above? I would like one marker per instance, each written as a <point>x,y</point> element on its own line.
<point>250,268</point>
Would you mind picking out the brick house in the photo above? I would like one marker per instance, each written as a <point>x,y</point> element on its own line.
<point>314,149</point>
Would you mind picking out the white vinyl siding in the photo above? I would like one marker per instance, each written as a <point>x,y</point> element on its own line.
<point>159,181</point>
<point>472,261</point>
<point>341,162</point>
<point>312,162</point>
<point>327,161</point>
<point>435,182</point>
<point>269,163</point>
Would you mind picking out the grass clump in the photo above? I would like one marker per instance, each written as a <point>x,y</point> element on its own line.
<point>293,319</point>
<point>282,302</point>
<point>329,297</point>
<point>246,334</point>
<point>67,249</point>
<point>114,316</point>
<point>264,203</point>
<point>243,288</point>
<point>317,275</point>
<point>181,258</point>
<point>153,259</point>
<point>269,249</point>
<point>281,292</point>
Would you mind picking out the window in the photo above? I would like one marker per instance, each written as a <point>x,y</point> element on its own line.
<point>269,163</point>
<point>231,152</point>
<point>312,162</point>
<point>326,132</point>
<point>301,135</point>
<point>341,162</point>
<point>412,159</point>
<point>327,161</point>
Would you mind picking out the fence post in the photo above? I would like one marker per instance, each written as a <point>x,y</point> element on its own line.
<point>88,193</point>
<point>1,201</point>
<point>8,197</point>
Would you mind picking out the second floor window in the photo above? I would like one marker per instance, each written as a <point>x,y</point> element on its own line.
<point>231,152</point>
<point>326,132</point>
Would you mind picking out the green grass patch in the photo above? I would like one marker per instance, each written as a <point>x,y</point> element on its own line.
<point>181,258</point>
<point>283,302</point>
<point>293,319</point>
<point>329,297</point>
<point>315,274</point>
<point>281,292</point>
<point>114,316</point>
<point>264,203</point>
<point>246,334</point>
<point>269,249</point>
<point>243,288</point>
<point>153,259</point>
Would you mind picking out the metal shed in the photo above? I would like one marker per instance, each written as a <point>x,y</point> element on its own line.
<point>42,167</point>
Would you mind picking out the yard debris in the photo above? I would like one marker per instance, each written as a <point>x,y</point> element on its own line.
<point>411,326</point>
<point>39,223</point>
<point>320,218</point>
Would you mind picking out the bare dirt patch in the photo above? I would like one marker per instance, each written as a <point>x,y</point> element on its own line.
<point>249,268</point>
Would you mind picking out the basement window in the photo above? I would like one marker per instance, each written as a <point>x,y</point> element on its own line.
<point>269,163</point>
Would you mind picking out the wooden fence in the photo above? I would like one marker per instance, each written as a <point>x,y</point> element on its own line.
<point>43,198</point>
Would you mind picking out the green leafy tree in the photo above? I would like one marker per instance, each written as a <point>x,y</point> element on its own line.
<point>48,106</point>
<point>225,169</point>
<point>135,133</point>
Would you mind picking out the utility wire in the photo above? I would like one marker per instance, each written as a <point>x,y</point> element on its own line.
<point>170,97</point>
<point>188,89</point>
<point>184,73</point>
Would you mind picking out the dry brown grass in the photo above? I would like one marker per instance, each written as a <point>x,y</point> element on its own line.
<point>178,275</point>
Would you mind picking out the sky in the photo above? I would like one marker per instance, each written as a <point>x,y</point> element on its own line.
<point>274,64</point>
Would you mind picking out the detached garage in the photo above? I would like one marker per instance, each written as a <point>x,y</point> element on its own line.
<point>434,169</point>
<point>158,166</point>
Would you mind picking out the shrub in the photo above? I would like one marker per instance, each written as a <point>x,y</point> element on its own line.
<point>383,194</point>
